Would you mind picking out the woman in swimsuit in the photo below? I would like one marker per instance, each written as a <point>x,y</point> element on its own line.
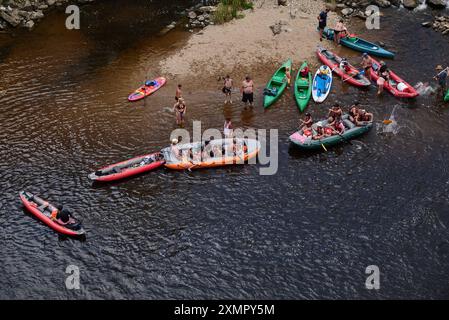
<point>180,108</point>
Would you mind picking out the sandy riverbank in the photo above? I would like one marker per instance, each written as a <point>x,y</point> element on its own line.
<point>248,45</point>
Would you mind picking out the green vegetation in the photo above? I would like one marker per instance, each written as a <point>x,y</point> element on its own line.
<point>229,9</point>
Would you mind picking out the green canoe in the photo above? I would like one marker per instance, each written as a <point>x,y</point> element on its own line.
<point>351,132</point>
<point>446,97</point>
<point>303,88</point>
<point>278,82</point>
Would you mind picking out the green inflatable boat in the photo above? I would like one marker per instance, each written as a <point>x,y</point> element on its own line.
<point>352,131</point>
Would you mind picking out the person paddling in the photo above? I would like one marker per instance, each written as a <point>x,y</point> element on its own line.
<point>441,77</point>
<point>227,89</point>
<point>322,21</point>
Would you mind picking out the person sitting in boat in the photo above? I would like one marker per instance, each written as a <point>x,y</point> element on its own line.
<point>216,151</point>
<point>320,132</point>
<point>64,217</point>
<point>334,113</point>
<point>338,127</point>
<point>306,123</point>
<point>363,117</point>
<point>304,73</point>
<point>354,111</point>
<point>174,149</point>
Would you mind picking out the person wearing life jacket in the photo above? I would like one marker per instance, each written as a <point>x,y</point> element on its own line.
<point>62,216</point>
<point>306,123</point>
<point>304,73</point>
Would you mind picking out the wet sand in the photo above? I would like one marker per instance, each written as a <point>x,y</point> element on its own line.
<point>247,45</point>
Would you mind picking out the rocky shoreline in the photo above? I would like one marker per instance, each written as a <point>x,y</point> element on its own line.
<point>26,13</point>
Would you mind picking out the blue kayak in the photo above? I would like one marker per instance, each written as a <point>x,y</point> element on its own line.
<point>358,44</point>
<point>322,83</point>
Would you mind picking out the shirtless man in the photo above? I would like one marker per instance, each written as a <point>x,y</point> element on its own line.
<point>247,91</point>
<point>227,89</point>
<point>178,92</point>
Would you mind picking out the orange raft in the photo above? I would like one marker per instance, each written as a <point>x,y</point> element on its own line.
<point>209,154</point>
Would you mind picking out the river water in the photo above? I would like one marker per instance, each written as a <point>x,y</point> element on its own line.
<point>309,231</point>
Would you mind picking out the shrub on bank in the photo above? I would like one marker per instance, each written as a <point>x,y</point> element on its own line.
<point>229,9</point>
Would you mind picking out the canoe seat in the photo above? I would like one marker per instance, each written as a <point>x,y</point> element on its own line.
<point>277,79</point>
<point>303,83</point>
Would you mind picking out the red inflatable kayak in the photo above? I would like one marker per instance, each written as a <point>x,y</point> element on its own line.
<point>42,210</point>
<point>150,87</point>
<point>128,168</point>
<point>392,85</point>
<point>352,76</point>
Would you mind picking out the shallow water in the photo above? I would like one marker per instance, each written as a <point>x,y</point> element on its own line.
<point>307,232</point>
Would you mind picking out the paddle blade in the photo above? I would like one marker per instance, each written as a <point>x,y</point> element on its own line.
<point>388,121</point>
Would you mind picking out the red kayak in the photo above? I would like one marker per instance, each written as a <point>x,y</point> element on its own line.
<point>395,84</point>
<point>42,210</point>
<point>150,87</point>
<point>352,76</point>
<point>128,168</point>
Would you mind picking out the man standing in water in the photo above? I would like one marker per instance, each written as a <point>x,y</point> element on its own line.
<point>227,89</point>
<point>441,77</point>
<point>247,91</point>
<point>322,22</point>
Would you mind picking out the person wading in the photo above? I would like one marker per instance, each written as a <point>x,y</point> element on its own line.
<point>247,91</point>
<point>227,89</point>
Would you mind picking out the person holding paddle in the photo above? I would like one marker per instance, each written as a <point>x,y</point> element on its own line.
<point>363,117</point>
<point>441,77</point>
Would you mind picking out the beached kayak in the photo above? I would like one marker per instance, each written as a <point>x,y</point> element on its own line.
<point>332,60</point>
<point>446,97</point>
<point>150,87</point>
<point>358,44</point>
<point>42,210</point>
<point>219,152</point>
<point>303,88</point>
<point>396,85</point>
<point>322,83</point>
<point>277,84</point>
<point>128,168</point>
<point>306,142</point>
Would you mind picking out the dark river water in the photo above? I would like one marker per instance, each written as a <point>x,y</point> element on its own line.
<point>309,231</point>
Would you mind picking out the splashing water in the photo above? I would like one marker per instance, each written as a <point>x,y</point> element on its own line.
<point>392,126</point>
<point>424,88</point>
